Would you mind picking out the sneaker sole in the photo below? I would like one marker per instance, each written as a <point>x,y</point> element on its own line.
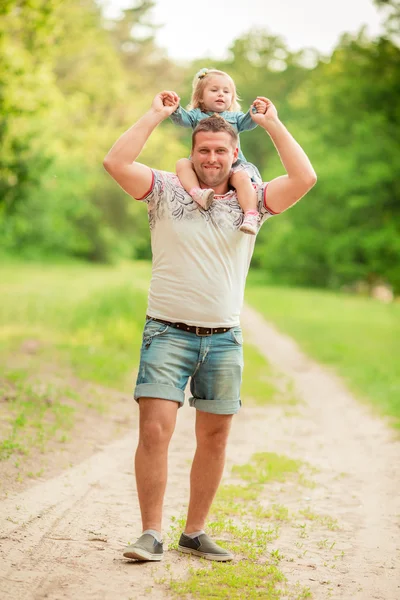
<point>208,203</point>
<point>139,554</point>
<point>248,230</point>
<point>206,555</point>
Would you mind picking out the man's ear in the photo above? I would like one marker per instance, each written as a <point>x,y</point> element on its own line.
<point>235,154</point>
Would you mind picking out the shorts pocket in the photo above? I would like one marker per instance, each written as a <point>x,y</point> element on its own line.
<point>237,335</point>
<point>153,329</point>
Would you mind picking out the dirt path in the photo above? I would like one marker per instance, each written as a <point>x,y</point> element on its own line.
<point>61,539</point>
<point>358,459</point>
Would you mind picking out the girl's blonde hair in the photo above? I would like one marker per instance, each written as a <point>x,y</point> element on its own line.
<point>200,82</point>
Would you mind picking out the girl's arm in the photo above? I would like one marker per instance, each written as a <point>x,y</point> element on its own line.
<point>184,118</point>
<point>245,122</point>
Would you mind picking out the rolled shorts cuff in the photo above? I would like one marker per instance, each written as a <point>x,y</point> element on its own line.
<point>158,390</point>
<point>216,407</point>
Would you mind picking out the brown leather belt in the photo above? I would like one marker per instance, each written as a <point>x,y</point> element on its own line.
<point>202,331</point>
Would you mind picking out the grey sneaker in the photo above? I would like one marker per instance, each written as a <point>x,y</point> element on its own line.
<point>145,548</point>
<point>203,546</point>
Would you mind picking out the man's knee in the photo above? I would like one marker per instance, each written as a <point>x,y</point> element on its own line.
<point>156,426</point>
<point>215,436</point>
<point>154,434</point>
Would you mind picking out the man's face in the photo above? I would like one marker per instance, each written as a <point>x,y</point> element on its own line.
<point>212,156</point>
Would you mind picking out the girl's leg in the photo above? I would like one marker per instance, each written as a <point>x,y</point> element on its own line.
<point>189,181</point>
<point>247,199</point>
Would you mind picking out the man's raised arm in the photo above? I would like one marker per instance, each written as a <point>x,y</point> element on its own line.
<point>286,190</point>
<point>134,177</point>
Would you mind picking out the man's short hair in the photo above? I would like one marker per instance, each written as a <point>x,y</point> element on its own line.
<point>215,124</point>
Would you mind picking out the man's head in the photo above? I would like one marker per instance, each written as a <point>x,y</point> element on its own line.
<point>214,150</point>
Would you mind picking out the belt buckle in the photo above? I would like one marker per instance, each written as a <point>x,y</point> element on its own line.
<point>204,334</point>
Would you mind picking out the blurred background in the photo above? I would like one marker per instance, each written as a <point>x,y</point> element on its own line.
<point>75,75</point>
<point>75,249</point>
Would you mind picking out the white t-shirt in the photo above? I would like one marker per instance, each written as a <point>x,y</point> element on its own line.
<point>200,258</point>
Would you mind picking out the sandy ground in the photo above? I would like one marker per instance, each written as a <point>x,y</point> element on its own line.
<point>61,538</point>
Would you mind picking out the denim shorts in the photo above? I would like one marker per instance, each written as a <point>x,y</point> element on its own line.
<point>169,356</point>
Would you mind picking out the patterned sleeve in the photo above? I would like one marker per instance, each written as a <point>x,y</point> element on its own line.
<point>262,198</point>
<point>165,188</point>
<point>245,122</point>
<point>184,118</point>
<point>156,190</point>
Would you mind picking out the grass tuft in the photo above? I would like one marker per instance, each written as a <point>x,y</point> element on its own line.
<point>239,522</point>
<point>267,466</point>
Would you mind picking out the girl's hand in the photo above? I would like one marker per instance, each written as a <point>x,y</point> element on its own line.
<point>264,110</point>
<point>259,106</point>
<point>165,103</point>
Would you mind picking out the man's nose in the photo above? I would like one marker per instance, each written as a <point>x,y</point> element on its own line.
<point>212,157</point>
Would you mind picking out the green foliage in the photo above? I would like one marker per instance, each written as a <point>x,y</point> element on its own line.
<point>70,82</point>
<point>28,95</point>
<point>347,229</point>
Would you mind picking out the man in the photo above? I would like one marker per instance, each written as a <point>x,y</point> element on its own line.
<point>200,263</point>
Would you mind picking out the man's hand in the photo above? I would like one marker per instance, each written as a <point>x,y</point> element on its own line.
<point>135,178</point>
<point>264,111</point>
<point>165,103</point>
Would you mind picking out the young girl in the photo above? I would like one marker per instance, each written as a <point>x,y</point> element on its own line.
<point>215,92</point>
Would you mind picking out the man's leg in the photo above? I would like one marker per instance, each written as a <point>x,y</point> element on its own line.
<point>208,464</point>
<point>167,358</point>
<point>156,425</point>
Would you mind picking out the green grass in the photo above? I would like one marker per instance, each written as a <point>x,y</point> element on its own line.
<point>259,381</point>
<point>35,413</point>
<point>244,519</point>
<point>358,337</point>
<point>240,522</point>
<point>63,327</point>
<point>236,581</point>
<point>265,467</point>
<point>87,317</point>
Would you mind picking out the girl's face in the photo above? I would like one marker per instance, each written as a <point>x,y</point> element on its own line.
<point>217,94</point>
